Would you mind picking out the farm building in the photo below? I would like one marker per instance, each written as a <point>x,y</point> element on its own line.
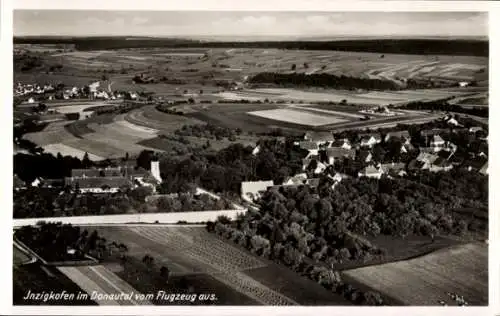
<point>109,180</point>
<point>251,190</point>
<point>99,184</point>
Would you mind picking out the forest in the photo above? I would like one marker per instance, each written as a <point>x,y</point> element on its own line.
<point>457,47</point>
<point>314,231</point>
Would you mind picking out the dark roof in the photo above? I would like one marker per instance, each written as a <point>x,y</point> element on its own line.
<point>337,152</point>
<point>85,172</point>
<point>431,132</point>
<point>398,134</point>
<point>109,172</point>
<point>308,145</point>
<point>363,154</point>
<point>319,136</point>
<point>368,135</point>
<point>393,167</point>
<point>339,142</point>
<point>98,182</point>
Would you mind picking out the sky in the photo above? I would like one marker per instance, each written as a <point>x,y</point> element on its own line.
<point>247,23</point>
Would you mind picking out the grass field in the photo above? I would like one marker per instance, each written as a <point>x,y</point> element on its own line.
<point>298,117</point>
<point>370,98</point>
<point>192,251</point>
<point>20,256</point>
<point>427,280</point>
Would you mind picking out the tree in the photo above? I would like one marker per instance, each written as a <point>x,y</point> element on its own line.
<point>294,67</point>
<point>306,65</point>
<point>165,273</point>
<point>86,161</point>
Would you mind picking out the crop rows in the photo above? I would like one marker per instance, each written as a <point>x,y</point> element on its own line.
<point>222,261</point>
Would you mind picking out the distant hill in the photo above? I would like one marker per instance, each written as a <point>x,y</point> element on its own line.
<point>430,46</point>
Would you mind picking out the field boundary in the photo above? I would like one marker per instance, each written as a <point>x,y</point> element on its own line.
<point>166,218</point>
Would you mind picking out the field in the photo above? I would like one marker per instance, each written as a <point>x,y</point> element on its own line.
<point>20,257</point>
<point>370,98</point>
<point>100,280</point>
<point>426,280</point>
<point>38,279</point>
<point>190,251</point>
<point>297,117</point>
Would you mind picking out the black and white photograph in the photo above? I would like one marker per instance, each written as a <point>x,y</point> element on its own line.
<point>250,158</point>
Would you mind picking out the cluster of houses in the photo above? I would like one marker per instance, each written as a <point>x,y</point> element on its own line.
<point>323,150</point>
<point>21,89</point>
<point>95,91</point>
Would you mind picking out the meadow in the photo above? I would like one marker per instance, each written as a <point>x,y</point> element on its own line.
<point>426,280</point>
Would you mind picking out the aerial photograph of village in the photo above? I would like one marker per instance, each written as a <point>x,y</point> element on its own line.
<point>250,158</point>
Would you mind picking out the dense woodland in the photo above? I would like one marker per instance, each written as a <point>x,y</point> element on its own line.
<point>455,47</point>
<point>443,105</point>
<point>313,231</point>
<point>52,241</point>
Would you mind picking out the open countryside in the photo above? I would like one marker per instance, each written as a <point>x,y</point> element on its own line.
<point>277,173</point>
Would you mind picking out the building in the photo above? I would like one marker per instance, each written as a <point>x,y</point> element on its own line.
<point>296,179</point>
<point>484,169</point>
<point>437,143</point>
<point>320,138</point>
<point>333,154</point>
<point>312,147</point>
<point>365,156</point>
<point>475,129</point>
<point>251,190</point>
<point>341,143</point>
<point>112,180</point>
<point>394,169</point>
<point>371,172</point>
<point>404,136</point>
<point>370,140</point>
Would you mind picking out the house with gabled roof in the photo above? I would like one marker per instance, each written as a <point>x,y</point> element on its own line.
<point>484,169</point>
<point>319,137</point>
<point>394,169</point>
<point>371,171</point>
<point>370,139</point>
<point>437,142</point>
<point>333,154</point>
<point>365,155</point>
<point>404,136</point>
